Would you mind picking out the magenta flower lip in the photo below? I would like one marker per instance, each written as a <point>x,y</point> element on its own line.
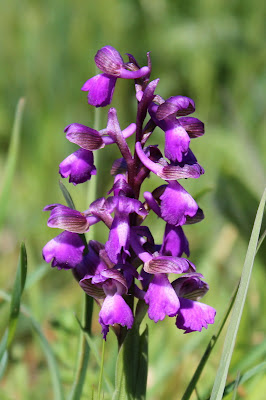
<point>65,251</point>
<point>78,167</point>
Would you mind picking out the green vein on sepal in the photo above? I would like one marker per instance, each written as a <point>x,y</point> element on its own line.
<point>230,338</point>
<point>11,159</point>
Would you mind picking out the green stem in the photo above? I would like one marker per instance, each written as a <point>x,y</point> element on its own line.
<point>84,351</point>
<point>101,372</point>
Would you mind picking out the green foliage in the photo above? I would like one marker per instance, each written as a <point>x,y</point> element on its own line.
<point>229,343</point>
<point>211,51</point>
<point>132,366</point>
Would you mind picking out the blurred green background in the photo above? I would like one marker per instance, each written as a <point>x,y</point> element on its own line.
<point>212,51</point>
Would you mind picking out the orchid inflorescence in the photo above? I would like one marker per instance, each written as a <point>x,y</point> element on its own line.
<point>130,265</point>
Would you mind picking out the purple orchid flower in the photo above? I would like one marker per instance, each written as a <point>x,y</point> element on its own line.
<point>109,272</point>
<point>68,219</point>
<point>160,296</point>
<point>122,206</point>
<point>176,204</point>
<point>101,87</point>
<point>65,250</point>
<point>114,309</point>
<point>78,167</point>
<point>90,139</point>
<point>177,131</point>
<point>192,315</point>
<point>188,168</point>
<point>175,242</point>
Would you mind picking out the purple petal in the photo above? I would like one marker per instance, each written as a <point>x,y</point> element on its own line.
<point>177,105</point>
<point>175,242</point>
<point>65,250</point>
<point>140,73</point>
<point>63,217</point>
<point>168,264</point>
<point>193,316</point>
<point>161,298</point>
<point>190,286</point>
<point>118,238</point>
<point>115,311</point>
<point>176,141</point>
<point>90,288</point>
<point>193,126</point>
<point>176,204</point>
<point>78,167</point>
<point>83,136</point>
<point>101,89</point>
<point>109,60</point>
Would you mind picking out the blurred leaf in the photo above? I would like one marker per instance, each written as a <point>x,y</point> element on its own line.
<point>36,275</point>
<point>236,384</point>
<point>258,369</point>
<point>17,293</point>
<point>48,352</point>
<point>255,354</point>
<point>132,366</point>
<point>67,195</point>
<point>83,352</point>
<point>3,363</point>
<point>219,383</point>
<point>11,159</point>
<point>3,350</point>
<point>206,355</point>
<point>238,204</point>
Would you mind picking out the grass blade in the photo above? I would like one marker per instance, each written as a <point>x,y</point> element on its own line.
<point>260,368</point>
<point>209,348</point>
<point>67,195</point>
<point>219,383</point>
<point>48,352</point>
<point>11,159</point>
<point>83,353</point>
<point>17,293</point>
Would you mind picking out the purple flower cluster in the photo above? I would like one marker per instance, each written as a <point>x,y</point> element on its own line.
<point>130,266</point>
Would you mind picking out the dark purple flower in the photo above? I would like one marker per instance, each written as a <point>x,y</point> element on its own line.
<point>66,218</point>
<point>101,87</point>
<point>119,237</point>
<point>114,309</point>
<point>192,315</point>
<point>175,242</point>
<point>65,250</point>
<point>188,168</point>
<point>78,166</point>
<point>176,106</point>
<point>177,204</point>
<point>110,62</point>
<point>177,131</point>
<point>85,137</point>
<point>161,298</point>
<point>91,264</point>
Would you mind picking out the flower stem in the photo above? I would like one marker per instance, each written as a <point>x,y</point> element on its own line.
<point>101,372</point>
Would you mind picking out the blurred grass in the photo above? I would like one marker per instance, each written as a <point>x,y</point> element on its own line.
<point>211,51</point>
